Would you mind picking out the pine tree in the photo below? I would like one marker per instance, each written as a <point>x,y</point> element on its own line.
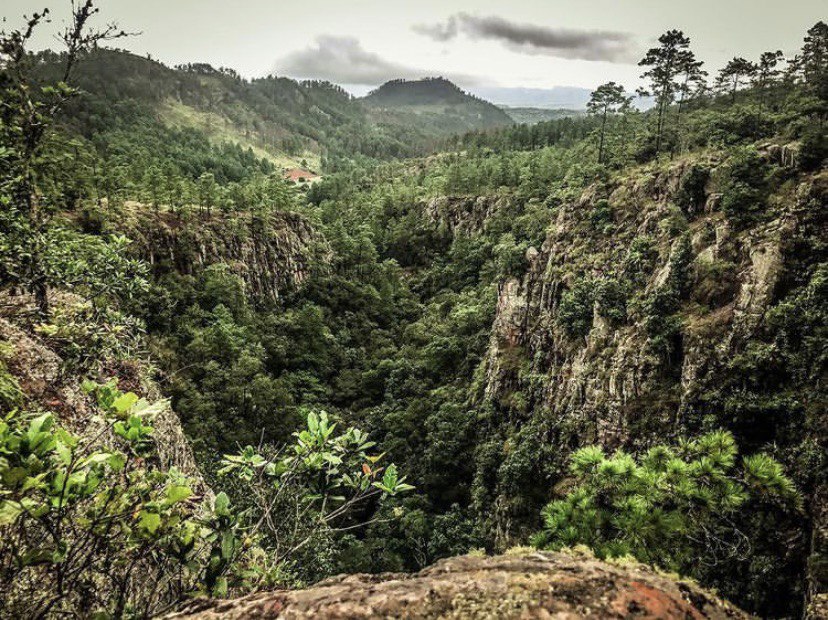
<point>662,507</point>
<point>606,100</point>
<point>734,75</point>
<point>814,60</point>
<point>667,62</point>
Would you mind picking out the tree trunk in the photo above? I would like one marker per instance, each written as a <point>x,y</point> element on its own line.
<point>601,145</point>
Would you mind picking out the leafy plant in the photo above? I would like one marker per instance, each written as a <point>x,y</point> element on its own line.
<point>86,528</point>
<point>318,486</point>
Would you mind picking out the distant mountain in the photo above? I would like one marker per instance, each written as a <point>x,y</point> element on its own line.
<point>435,107</point>
<point>292,124</point>
<point>530,116</point>
<point>554,98</point>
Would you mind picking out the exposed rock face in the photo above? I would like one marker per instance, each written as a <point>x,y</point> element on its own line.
<point>462,214</point>
<point>611,386</point>
<point>271,256</point>
<point>39,371</point>
<point>600,380</point>
<point>535,585</point>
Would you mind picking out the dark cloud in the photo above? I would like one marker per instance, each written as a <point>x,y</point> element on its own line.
<point>612,46</point>
<point>343,60</point>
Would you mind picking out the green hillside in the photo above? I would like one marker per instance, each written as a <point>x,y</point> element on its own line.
<point>280,120</point>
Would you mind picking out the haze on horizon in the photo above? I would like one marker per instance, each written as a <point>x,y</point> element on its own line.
<point>511,53</point>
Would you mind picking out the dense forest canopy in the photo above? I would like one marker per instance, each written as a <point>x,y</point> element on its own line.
<point>603,330</point>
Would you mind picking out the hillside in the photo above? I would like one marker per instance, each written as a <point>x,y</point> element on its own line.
<point>280,120</point>
<point>434,107</point>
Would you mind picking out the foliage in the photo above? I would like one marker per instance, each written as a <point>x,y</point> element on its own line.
<point>575,310</point>
<point>691,193</point>
<point>667,508</point>
<point>744,187</point>
<point>318,487</point>
<point>88,528</point>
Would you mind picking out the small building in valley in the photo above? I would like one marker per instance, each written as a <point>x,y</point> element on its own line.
<point>300,175</point>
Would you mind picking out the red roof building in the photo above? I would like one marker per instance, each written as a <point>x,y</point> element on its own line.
<point>298,175</point>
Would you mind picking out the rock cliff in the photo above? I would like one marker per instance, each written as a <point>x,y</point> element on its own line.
<point>647,314</point>
<point>272,254</point>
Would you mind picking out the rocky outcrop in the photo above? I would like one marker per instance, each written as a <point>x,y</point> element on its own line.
<point>41,375</point>
<point>463,215</point>
<point>271,255</point>
<point>529,585</point>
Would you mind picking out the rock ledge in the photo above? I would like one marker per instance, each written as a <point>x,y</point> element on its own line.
<point>532,585</point>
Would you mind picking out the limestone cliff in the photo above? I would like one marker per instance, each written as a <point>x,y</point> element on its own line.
<point>272,254</point>
<point>535,585</point>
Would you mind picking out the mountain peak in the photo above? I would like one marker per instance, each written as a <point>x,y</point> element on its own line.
<point>424,91</point>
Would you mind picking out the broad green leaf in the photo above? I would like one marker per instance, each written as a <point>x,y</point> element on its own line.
<point>9,511</point>
<point>177,493</point>
<point>149,521</point>
<point>124,402</point>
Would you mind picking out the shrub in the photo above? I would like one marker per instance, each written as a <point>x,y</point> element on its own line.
<point>641,259</point>
<point>611,298</point>
<point>300,497</point>
<point>90,529</point>
<point>691,194</point>
<point>744,186</point>
<point>601,215</point>
<point>660,321</point>
<point>667,506</point>
<point>575,309</point>
<point>813,149</point>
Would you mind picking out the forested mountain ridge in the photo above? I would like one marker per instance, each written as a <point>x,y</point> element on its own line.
<point>284,121</point>
<point>604,332</point>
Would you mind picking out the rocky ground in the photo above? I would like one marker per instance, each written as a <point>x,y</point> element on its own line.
<point>520,585</point>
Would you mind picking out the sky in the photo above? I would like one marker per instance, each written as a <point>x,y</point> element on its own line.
<point>514,51</point>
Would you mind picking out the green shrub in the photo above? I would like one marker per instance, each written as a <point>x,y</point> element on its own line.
<point>611,298</point>
<point>691,194</point>
<point>641,259</point>
<point>88,529</point>
<point>813,149</point>
<point>743,183</point>
<point>601,215</point>
<point>660,321</point>
<point>665,507</point>
<point>575,309</point>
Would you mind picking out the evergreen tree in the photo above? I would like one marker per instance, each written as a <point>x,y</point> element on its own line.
<point>667,62</point>
<point>608,99</point>
<point>665,507</point>
<point>28,113</point>
<point>814,60</point>
<point>735,74</point>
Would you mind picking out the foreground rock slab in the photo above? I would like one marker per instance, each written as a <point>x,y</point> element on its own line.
<point>533,585</point>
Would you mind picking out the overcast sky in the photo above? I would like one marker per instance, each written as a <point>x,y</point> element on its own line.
<point>534,44</point>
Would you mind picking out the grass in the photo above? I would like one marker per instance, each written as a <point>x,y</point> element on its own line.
<point>220,129</point>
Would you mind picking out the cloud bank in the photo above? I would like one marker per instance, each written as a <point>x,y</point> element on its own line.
<point>611,46</point>
<point>343,60</point>
<point>340,59</point>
